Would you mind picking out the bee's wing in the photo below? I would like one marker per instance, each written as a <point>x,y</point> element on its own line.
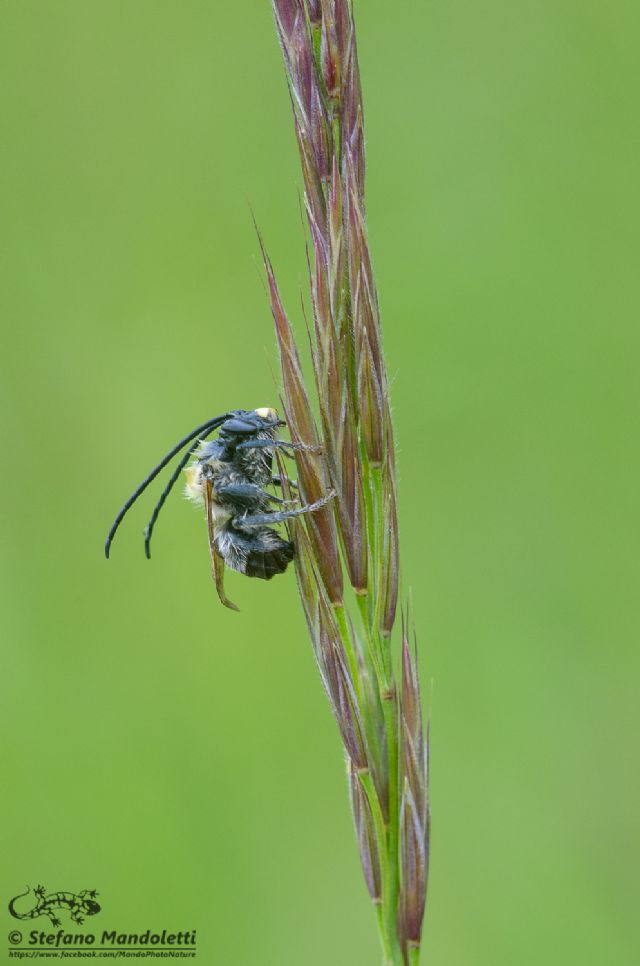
<point>217,562</point>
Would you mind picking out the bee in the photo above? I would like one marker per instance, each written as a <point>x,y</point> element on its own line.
<point>228,478</point>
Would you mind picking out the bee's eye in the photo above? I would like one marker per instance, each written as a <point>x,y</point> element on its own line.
<point>238,425</point>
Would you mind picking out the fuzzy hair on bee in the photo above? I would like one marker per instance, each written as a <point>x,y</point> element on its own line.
<point>228,477</point>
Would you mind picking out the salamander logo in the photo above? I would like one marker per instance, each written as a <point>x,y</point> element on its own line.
<point>77,905</point>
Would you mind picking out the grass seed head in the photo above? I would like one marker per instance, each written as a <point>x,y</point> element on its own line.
<point>355,538</point>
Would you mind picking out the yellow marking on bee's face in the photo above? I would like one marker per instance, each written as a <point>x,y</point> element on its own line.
<point>194,484</point>
<point>266,413</point>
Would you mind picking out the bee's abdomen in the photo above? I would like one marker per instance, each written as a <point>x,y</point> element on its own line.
<point>265,563</point>
<point>259,552</point>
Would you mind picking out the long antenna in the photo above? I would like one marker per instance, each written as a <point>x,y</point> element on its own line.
<point>167,490</point>
<point>208,427</point>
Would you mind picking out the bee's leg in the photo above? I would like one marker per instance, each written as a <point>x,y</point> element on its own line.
<point>264,444</point>
<point>285,445</point>
<point>278,480</point>
<point>270,519</point>
<point>217,562</point>
<point>245,494</point>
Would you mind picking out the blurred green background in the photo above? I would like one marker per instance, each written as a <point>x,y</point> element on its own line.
<point>181,758</point>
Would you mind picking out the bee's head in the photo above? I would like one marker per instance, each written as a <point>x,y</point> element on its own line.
<point>244,423</point>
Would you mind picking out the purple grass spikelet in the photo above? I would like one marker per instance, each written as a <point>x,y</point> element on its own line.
<point>347,553</point>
